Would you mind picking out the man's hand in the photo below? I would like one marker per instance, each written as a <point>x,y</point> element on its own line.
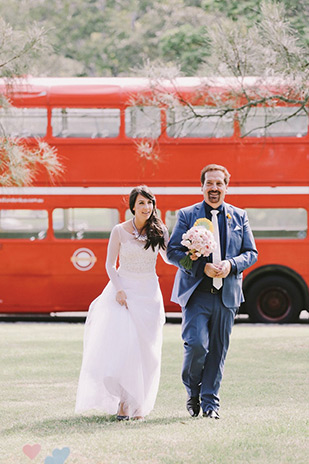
<point>193,256</point>
<point>221,269</point>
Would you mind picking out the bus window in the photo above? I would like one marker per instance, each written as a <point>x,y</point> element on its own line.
<point>257,118</point>
<point>84,223</point>
<point>24,122</point>
<point>278,222</point>
<point>170,220</point>
<point>185,122</point>
<point>143,121</point>
<point>30,224</point>
<point>86,122</point>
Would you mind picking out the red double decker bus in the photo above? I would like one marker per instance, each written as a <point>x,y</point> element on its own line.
<point>53,238</point>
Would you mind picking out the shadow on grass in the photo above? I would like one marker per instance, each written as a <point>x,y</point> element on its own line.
<point>86,424</point>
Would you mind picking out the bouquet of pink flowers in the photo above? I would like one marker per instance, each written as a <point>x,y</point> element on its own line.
<point>199,240</point>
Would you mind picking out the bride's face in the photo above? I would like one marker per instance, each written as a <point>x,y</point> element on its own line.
<point>143,208</point>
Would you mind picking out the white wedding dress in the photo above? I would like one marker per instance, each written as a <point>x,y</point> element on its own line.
<point>122,347</point>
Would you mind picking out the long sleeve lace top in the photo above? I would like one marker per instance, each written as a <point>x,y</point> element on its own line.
<point>133,258</point>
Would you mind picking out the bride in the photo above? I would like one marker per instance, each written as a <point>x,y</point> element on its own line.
<point>123,332</point>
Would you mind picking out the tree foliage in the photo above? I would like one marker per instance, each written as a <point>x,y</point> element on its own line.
<point>18,162</point>
<point>175,37</point>
<point>110,37</point>
<point>270,51</point>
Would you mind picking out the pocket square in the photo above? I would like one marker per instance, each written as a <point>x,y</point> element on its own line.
<point>237,228</point>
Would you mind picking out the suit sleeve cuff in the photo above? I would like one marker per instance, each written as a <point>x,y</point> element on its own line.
<point>233,266</point>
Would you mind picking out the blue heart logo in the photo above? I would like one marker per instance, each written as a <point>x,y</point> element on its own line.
<point>58,456</point>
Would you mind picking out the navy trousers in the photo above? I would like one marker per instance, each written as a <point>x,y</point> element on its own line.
<point>206,329</point>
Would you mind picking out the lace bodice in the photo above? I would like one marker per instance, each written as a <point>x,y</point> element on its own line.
<point>133,258</point>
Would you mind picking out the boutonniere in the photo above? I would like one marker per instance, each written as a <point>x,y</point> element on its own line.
<point>229,219</point>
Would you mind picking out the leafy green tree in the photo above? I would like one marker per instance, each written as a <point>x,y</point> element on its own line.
<point>110,37</point>
<point>270,51</point>
<point>296,12</point>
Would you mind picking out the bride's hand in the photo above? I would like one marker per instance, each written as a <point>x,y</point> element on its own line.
<point>121,298</point>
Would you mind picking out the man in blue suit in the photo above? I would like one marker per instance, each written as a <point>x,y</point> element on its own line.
<point>211,292</point>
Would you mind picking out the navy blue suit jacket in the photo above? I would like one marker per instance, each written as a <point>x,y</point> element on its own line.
<point>240,250</point>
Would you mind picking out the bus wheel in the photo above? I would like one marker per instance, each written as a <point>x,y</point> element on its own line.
<point>273,299</point>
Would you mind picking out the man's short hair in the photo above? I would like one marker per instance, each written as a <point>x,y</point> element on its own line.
<point>215,167</point>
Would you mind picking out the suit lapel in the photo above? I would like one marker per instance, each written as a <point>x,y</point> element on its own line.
<point>199,212</point>
<point>228,224</point>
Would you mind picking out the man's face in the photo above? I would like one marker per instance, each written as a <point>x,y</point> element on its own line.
<point>214,188</point>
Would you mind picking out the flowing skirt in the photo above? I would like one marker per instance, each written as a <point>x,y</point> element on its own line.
<point>122,348</point>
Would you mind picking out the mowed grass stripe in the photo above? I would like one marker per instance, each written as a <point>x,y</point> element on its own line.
<point>264,406</point>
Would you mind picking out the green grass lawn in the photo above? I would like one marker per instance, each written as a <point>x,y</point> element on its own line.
<point>264,402</point>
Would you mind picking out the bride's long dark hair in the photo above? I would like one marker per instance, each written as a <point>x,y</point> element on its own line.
<point>154,227</point>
